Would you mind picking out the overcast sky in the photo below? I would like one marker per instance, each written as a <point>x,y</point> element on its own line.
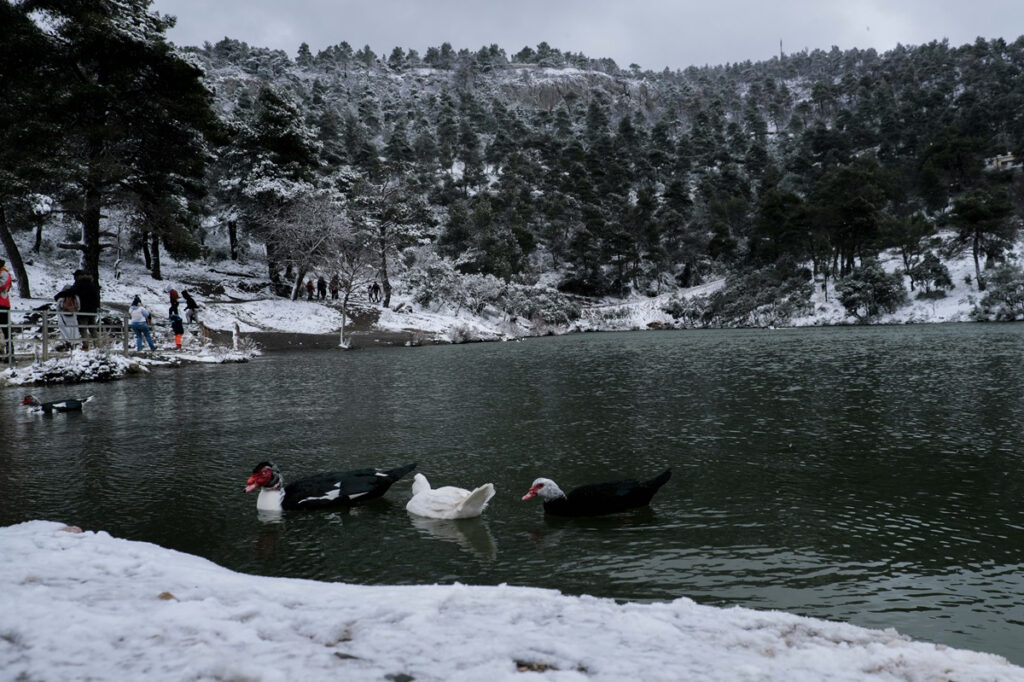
<point>652,33</point>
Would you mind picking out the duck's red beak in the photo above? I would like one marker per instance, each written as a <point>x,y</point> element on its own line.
<point>531,493</point>
<point>251,484</point>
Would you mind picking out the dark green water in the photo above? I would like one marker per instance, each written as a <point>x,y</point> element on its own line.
<point>869,475</point>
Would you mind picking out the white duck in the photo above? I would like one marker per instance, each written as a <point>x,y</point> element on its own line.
<point>447,502</point>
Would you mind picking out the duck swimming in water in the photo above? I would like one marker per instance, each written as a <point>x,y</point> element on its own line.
<point>596,499</point>
<point>65,405</point>
<point>333,489</point>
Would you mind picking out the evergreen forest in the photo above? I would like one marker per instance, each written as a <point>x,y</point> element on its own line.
<point>542,174</point>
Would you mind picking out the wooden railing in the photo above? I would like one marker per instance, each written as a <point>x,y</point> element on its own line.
<point>38,335</point>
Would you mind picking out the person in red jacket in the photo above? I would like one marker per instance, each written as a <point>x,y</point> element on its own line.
<point>5,307</point>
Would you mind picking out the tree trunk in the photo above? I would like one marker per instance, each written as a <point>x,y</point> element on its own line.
<point>156,256</point>
<point>275,276</point>
<point>145,251</point>
<point>14,255</point>
<point>344,317</point>
<point>91,231</point>
<point>908,267</point>
<point>233,238</point>
<point>297,289</point>
<point>385,283</point>
<point>975,248</point>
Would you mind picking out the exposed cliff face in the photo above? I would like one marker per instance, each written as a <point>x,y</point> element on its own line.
<point>546,88</point>
<point>528,86</point>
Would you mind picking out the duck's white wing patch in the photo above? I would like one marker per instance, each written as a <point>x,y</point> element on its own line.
<point>330,495</point>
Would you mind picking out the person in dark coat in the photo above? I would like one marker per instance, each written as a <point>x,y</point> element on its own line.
<point>88,293</point>
<point>310,288</point>
<point>321,287</point>
<point>191,307</point>
<point>176,326</point>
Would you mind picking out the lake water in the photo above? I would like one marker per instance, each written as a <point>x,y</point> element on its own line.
<point>868,475</point>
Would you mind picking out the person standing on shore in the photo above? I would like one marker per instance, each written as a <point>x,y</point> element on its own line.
<point>6,281</point>
<point>191,307</point>
<point>88,294</point>
<point>67,319</point>
<point>140,317</point>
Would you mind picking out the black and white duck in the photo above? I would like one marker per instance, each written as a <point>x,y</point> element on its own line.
<point>596,499</point>
<point>65,405</point>
<point>332,489</point>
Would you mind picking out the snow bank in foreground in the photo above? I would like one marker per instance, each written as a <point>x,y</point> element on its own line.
<point>88,606</point>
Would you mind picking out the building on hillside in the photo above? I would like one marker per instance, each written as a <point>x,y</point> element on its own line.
<point>1005,161</point>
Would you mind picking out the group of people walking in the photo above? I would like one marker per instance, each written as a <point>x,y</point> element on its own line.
<point>140,319</point>
<point>78,308</point>
<point>318,290</point>
<point>78,314</point>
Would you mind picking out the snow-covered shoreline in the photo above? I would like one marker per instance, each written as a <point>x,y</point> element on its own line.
<point>85,605</point>
<point>237,304</point>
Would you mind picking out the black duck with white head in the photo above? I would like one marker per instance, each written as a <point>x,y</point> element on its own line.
<point>596,499</point>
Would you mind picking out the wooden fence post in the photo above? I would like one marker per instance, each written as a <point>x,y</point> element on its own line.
<point>46,335</point>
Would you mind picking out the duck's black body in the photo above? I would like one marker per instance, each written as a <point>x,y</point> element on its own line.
<point>66,405</point>
<point>597,499</point>
<point>334,489</point>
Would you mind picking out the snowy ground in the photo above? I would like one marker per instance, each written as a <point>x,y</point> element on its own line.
<point>86,606</point>
<point>956,306</point>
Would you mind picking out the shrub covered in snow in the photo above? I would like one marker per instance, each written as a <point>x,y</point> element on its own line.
<point>436,283</point>
<point>870,290</point>
<point>759,298</point>
<point>1004,298</point>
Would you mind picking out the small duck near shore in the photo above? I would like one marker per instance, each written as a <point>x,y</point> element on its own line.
<point>65,405</point>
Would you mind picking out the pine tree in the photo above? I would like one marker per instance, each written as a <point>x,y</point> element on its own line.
<point>125,97</point>
<point>30,141</point>
<point>981,216</point>
<point>269,162</point>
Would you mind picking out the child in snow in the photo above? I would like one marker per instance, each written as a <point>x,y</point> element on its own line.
<point>178,327</point>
